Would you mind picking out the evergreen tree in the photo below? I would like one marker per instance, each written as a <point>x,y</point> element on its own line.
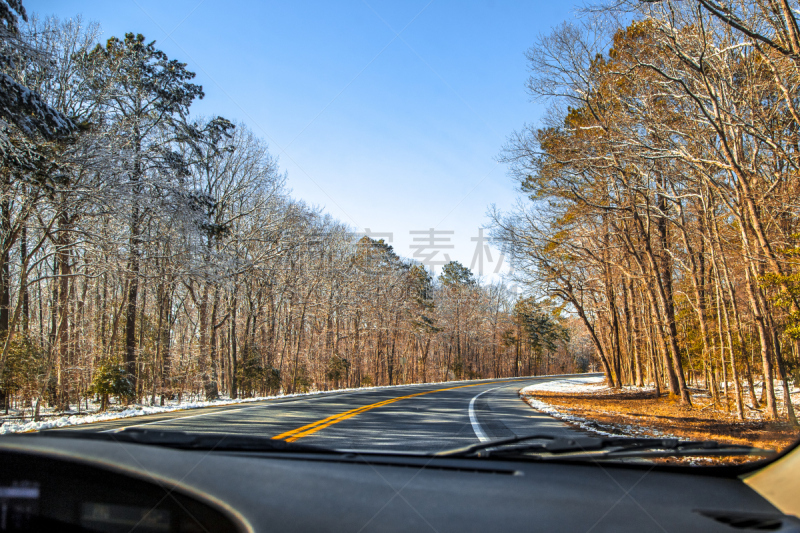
<point>146,97</point>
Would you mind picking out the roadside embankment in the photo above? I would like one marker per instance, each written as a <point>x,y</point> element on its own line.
<point>588,404</point>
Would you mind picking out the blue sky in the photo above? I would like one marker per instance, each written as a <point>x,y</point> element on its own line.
<point>389,115</point>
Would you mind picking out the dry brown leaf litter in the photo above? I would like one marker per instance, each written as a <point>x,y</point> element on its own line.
<point>616,409</point>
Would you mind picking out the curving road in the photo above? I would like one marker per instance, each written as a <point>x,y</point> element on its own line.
<point>420,418</point>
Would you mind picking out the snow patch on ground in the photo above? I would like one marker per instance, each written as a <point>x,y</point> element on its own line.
<point>587,384</point>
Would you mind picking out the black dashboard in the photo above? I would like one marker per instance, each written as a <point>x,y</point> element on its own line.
<point>54,484</point>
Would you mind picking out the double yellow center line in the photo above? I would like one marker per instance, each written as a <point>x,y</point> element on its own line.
<point>309,429</point>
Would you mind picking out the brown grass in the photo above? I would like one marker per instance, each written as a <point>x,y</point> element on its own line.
<point>644,412</point>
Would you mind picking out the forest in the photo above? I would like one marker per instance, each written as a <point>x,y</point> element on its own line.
<point>662,195</point>
<point>148,255</point>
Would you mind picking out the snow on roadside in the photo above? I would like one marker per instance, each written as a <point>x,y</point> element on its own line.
<point>588,384</point>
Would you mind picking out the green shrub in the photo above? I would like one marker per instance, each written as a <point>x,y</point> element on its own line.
<point>23,368</point>
<point>111,379</point>
<point>338,369</point>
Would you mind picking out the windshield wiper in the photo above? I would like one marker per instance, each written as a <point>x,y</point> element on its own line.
<point>598,448</point>
<point>192,441</point>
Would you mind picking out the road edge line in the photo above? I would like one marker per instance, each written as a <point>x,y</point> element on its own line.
<point>473,418</point>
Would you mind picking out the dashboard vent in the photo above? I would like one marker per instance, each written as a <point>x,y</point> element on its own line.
<point>754,521</point>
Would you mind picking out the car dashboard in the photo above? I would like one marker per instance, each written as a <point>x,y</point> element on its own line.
<point>54,484</point>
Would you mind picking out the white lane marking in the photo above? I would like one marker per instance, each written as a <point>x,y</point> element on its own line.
<point>473,418</point>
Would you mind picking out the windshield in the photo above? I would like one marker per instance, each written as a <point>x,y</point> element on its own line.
<point>411,227</point>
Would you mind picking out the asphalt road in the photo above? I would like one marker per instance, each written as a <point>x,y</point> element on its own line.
<point>422,418</point>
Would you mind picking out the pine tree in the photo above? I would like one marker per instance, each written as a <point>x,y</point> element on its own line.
<point>146,97</point>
